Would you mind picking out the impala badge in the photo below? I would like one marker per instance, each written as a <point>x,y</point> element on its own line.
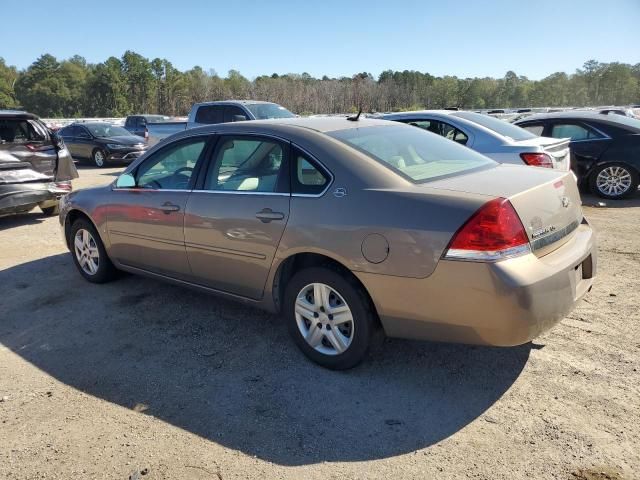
<point>340,192</point>
<point>565,202</point>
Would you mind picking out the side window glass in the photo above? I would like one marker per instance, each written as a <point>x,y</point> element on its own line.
<point>209,114</point>
<point>442,129</point>
<point>247,165</point>
<point>573,131</point>
<point>535,129</point>
<point>82,133</point>
<point>308,178</point>
<point>234,114</point>
<point>171,167</point>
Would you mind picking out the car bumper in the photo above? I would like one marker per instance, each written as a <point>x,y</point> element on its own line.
<point>124,156</point>
<point>503,304</point>
<point>21,197</point>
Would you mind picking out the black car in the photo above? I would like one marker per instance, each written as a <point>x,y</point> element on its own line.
<point>35,167</point>
<point>605,148</point>
<point>102,143</point>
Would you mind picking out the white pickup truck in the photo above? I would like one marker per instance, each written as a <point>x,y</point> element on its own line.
<point>216,112</point>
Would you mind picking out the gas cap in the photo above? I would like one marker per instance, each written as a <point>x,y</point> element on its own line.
<point>375,248</point>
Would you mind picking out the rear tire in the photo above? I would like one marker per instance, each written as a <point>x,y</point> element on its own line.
<point>99,158</point>
<point>50,211</point>
<point>318,304</point>
<point>614,181</point>
<point>89,254</point>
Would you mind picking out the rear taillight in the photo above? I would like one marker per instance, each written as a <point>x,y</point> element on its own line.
<point>64,186</point>
<point>38,147</point>
<point>146,134</point>
<point>492,233</point>
<point>537,159</point>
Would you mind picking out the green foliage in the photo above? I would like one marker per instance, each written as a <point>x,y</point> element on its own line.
<point>135,84</point>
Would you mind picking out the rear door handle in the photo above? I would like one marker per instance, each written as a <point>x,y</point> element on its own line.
<point>168,207</point>
<point>266,215</point>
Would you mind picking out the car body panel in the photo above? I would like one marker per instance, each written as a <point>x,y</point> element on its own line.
<point>417,294</point>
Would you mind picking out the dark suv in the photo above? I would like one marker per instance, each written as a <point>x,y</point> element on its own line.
<point>36,168</point>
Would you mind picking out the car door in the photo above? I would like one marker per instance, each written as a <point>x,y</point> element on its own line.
<point>587,143</point>
<point>83,141</point>
<point>146,222</point>
<point>68,135</point>
<point>234,221</point>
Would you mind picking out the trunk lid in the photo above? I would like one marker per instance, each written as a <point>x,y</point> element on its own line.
<point>556,148</point>
<point>547,201</point>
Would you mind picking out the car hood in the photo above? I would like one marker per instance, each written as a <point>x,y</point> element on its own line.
<point>121,140</point>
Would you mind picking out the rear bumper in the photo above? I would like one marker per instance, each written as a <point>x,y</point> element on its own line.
<point>503,304</point>
<point>21,197</point>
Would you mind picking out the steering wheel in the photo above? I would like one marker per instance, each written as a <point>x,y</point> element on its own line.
<point>183,169</point>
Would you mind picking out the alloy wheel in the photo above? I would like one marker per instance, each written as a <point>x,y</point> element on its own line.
<point>98,158</point>
<point>324,319</point>
<point>614,181</point>
<point>86,251</point>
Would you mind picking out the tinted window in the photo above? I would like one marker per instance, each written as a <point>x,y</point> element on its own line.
<point>209,114</point>
<point>245,164</point>
<point>263,111</point>
<point>171,167</point>
<point>308,177</point>
<point>130,122</point>
<point>499,126</point>
<point>81,132</point>
<point>107,130</point>
<point>20,131</point>
<point>411,152</point>
<point>535,129</point>
<point>573,131</point>
<point>234,114</point>
<point>441,128</point>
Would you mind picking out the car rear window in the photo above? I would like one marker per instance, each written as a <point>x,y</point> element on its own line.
<point>264,111</point>
<point>415,154</point>
<point>499,126</point>
<point>20,131</point>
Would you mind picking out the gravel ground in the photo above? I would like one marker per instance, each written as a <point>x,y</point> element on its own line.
<point>142,380</point>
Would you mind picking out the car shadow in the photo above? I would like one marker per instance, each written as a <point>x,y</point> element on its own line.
<point>590,200</point>
<point>33,217</point>
<point>229,373</point>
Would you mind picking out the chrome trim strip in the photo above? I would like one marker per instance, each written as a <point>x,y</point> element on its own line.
<point>146,237</point>
<point>243,192</point>
<point>140,189</point>
<point>240,253</point>
<point>488,255</point>
<point>553,237</point>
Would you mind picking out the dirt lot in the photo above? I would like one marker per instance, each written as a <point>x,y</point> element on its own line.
<point>138,379</point>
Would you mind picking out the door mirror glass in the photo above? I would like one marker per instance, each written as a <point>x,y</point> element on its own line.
<point>239,118</point>
<point>126,180</point>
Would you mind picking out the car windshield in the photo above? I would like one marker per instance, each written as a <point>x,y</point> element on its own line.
<point>107,130</point>
<point>412,152</point>
<point>264,111</point>
<point>499,126</point>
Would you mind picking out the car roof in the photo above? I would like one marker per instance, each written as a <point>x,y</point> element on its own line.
<point>318,124</point>
<point>577,114</point>
<point>18,114</point>
<point>234,102</point>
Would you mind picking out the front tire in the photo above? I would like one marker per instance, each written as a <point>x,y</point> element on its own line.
<point>99,158</point>
<point>614,181</point>
<point>329,317</point>
<point>89,254</point>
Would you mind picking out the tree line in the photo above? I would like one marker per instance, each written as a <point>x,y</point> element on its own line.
<point>134,84</point>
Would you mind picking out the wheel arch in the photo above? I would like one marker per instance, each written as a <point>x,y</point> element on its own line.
<point>71,216</point>
<point>301,260</point>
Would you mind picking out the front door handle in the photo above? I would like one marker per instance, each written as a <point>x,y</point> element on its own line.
<point>168,207</point>
<point>266,215</point>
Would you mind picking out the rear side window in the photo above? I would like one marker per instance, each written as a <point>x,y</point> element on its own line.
<point>499,126</point>
<point>20,131</point>
<point>574,132</point>
<point>209,114</point>
<point>443,129</point>
<point>247,165</point>
<point>308,178</point>
<point>535,129</point>
<point>412,153</point>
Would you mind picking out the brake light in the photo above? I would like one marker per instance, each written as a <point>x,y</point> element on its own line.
<point>35,147</point>
<point>492,233</point>
<point>146,134</point>
<point>66,185</point>
<point>537,159</point>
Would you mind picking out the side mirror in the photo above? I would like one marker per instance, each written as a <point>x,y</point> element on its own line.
<point>125,180</point>
<point>238,118</point>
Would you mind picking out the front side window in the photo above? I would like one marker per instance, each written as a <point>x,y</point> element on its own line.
<point>264,111</point>
<point>107,130</point>
<point>81,132</point>
<point>246,165</point>
<point>209,114</point>
<point>172,167</point>
<point>573,131</point>
<point>234,114</point>
<point>308,177</point>
<point>412,153</point>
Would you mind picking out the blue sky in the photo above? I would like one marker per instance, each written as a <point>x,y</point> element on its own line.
<point>458,37</point>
